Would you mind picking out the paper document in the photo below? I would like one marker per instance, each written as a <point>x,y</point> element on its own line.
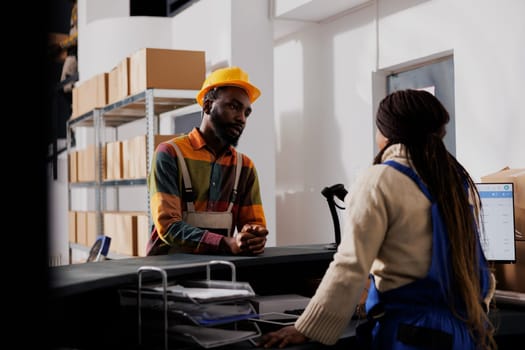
<point>205,293</point>
<point>213,314</point>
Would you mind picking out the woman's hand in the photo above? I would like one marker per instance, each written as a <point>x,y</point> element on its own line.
<point>281,338</point>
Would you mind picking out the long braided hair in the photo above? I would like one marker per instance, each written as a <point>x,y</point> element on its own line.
<point>417,119</point>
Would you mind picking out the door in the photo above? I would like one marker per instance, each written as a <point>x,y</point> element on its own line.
<point>436,77</point>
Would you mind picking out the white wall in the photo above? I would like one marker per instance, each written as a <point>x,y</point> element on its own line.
<point>487,39</point>
<point>205,25</point>
<point>324,110</point>
<point>252,49</point>
<point>313,125</point>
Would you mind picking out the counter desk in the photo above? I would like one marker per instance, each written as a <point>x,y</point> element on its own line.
<point>85,311</point>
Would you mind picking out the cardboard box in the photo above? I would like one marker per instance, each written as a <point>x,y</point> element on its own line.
<point>134,155</point>
<point>123,228</point>
<point>118,81</point>
<point>73,166</point>
<point>90,94</point>
<point>114,163</point>
<point>91,228</point>
<point>517,177</point>
<point>109,226</point>
<point>72,228</point>
<point>511,276</point>
<point>127,159</point>
<point>125,234</point>
<point>82,228</point>
<point>166,69</point>
<point>87,163</point>
<point>143,233</point>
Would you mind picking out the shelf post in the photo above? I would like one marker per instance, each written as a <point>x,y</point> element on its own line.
<point>100,192</point>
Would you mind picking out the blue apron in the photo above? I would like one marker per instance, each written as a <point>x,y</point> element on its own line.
<point>416,315</point>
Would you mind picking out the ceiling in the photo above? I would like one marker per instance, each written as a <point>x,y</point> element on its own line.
<point>292,15</point>
<point>313,10</point>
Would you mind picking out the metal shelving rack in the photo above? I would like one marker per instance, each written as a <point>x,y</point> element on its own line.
<point>148,104</point>
<point>89,119</point>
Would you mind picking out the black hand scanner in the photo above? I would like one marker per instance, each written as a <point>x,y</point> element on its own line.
<point>339,191</point>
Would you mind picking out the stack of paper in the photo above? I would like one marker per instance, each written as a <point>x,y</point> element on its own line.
<point>204,294</point>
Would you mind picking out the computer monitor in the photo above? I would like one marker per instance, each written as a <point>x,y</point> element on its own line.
<point>497,216</point>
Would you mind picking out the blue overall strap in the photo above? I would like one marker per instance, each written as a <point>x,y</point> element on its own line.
<point>422,290</point>
<point>411,174</point>
<point>440,267</point>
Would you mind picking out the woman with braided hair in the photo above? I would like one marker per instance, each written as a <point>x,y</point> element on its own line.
<point>411,224</point>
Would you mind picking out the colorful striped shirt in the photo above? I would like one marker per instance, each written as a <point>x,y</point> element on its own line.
<point>212,181</point>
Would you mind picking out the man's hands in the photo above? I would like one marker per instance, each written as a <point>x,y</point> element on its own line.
<point>251,240</point>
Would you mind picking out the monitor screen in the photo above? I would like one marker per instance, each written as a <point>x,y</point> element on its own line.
<point>497,216</point>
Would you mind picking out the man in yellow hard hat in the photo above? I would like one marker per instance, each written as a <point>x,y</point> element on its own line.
<point>204,194</point>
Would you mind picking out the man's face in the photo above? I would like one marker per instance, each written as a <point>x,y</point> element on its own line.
<point>228,114</point>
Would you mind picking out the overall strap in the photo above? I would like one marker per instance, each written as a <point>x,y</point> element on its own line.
<point>188,190</point>
<point>236,183</point>
<point>440,269</point>
<point>412,174</point>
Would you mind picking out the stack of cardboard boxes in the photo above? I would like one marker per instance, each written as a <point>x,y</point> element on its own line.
<point>147,68</point>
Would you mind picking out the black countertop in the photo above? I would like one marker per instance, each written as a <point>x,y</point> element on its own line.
<point>80,293</point>
<point>82,278</point>
<point>85,298</point>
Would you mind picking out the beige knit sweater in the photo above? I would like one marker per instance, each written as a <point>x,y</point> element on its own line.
<point>387,231</point>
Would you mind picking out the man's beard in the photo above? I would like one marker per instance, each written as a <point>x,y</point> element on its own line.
<point>221,130</point>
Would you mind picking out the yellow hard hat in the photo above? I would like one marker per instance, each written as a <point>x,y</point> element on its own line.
<point>230,76</point>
